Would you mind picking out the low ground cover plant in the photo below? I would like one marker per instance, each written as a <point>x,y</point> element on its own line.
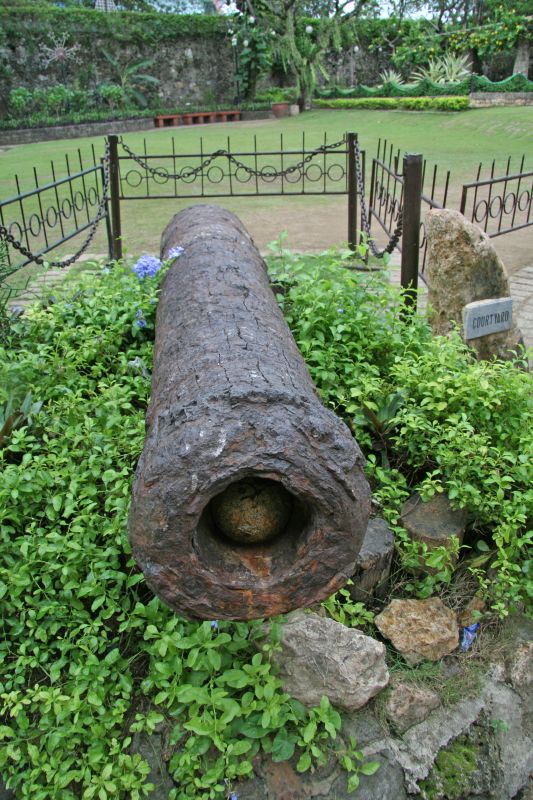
<point>90,661</point>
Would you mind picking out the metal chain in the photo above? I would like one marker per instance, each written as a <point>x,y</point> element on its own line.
<point>193,171</point>
<point>365,223</point>
<point>101,211</point>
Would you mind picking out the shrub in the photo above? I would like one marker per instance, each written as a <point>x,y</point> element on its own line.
<point>89,657</point>
<point>401,103</point>
<point>19,100</point>
<point>452,424</point>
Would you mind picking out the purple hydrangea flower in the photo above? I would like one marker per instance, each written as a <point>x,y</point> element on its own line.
<point>140,320</point>
<point>147,266</point>
<point>175,252</point>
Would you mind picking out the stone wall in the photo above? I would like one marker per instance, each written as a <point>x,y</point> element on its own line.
<point>484,99</point>
<point>189,70</point>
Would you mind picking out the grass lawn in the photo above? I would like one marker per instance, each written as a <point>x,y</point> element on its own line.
<point>455,141</point>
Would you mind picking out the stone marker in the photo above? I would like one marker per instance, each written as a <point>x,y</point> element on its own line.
<point>463,268</point>
<point>249,498</point>
<point>320,656</point>
<point>434,521</point>
<point>420,629</point>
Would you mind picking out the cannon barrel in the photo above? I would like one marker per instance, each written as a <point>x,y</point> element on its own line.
<point>249,497</point>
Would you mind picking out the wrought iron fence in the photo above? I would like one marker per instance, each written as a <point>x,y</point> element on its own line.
<point>500,204</point>
<point>227,172</point>
<point>387,193</point>
<point>39,220</point>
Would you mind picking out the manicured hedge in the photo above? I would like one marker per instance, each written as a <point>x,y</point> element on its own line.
<point>426,88</point>
<point>45,120</point>
<point>401,103</point>
<point>28,23</point>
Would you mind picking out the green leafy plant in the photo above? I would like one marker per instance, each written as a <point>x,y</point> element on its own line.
<point>342,608</point>
<point>460,426</point>
<point>131,80</point>
<point>89,659</point>
<point>391,76</point>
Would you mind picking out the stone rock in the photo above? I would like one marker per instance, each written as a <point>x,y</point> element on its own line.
<point>434,521</point>
<point>409,704</point>
<point>470,613</point>
<point>321,657</point>
<point>281,781</point>
<point>373,563</point>
<point>507,751</point>
<point>5,794</point>
<point>150,747</point>
<point>420,629</point>
<point>463,267</point>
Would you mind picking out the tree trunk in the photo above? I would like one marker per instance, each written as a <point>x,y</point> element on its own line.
<point>249,498</point>
<point>521,61</point>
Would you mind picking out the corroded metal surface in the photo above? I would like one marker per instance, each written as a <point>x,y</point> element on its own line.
<point>232,400</point>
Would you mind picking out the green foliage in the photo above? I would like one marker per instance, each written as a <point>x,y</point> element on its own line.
<point>142,29</point>
<point>131,80</point>
<point>443,70</point>
<point>342,608</point>
<point>254,53</point>
<point>54,101</point>
<point>391,76</point>
<point>460,426</point>
<point>426,88</point>
<point>404,103</point>
<point>88,656</point>
<point>452,773</point>
<point>42,120</point>
<point>502,32</point>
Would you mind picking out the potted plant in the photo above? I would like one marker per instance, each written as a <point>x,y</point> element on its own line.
<point>279,104</point>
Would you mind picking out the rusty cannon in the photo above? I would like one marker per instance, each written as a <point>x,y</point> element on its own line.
<point>249,498</point>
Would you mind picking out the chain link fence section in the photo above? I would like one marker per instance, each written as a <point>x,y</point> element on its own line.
<point>365,221</point>
<point>101,212</point>
<point>261,173</point>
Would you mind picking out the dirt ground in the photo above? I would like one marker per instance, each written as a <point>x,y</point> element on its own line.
<point>316,229</point>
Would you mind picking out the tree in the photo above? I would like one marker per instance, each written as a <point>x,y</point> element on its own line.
<point>298,43</point>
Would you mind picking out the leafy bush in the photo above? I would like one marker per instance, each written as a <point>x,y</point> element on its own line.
<point>77,118</point>
<point>452,424</point>
<point>404,103</point>
<point>88,656</point>
<point>443,70</point>
<point>426,88</point>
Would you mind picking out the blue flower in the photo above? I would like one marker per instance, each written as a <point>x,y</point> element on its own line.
<point>147,266</point>
<point>233,796</point>
<point>340,311</point>
<point>214,624</point>
<point>175,252</point>
<point>140,320</point>
<point>468,635</point>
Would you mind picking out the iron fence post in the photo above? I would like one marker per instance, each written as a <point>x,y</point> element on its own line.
<point>114,193</point>
<point>412,198</point>
<point>351,139</point>
<point>108,228</point>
